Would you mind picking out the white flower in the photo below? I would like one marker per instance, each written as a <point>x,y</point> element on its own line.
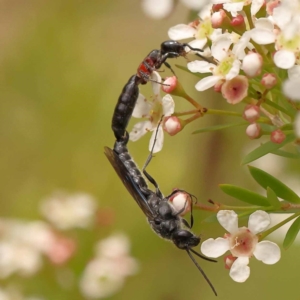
<point>291,86</point>
<point>235,6</point>
<point>69,211</point>
<point>242,243</point>
<point>227,68</point>
<point>159,9</point>
<point>104,275</point>
<point>152,110</point>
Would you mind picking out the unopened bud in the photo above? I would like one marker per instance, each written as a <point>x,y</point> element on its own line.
<point>229,260</point>
<point>269,80</point>
<point>253,131</point>
<point>251,113</point>
<point>172,86</point>
<point>236,89</point>
<point>218,86</point>
<point>181,201</point>
<point>277,136</point>
<point>218,18</point>
<point>252,64</point>
<point>172,125</point>
<point>238,21</point>
<point>217,7</point>
<point>271,5</point>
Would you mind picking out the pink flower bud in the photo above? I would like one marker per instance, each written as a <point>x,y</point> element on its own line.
<point>251,113</point>
<point>218,86</point>
<point>217,18</point>
<point>171,84</point>
<point>217,7</point>
<point>253,131</point>
<point>269,80</point>
<point>172,125</point>
<point>181,202</point>
<point>237,21</point>
<point>229,260</point>
<point>277,136</point>
<point>236,89</point>
<point>252,64</point>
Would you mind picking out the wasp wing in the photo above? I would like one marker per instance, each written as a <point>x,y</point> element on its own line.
<point>128,181</point>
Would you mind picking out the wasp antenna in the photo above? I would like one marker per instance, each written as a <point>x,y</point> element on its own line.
<point>202,256</point>
<point>200,269</point>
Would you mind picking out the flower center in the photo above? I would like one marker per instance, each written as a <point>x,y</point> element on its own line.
<point>204,29</point>
<point>225,66</point>
<point>242,243</point>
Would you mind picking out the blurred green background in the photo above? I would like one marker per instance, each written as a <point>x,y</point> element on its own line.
<point>63,66</point>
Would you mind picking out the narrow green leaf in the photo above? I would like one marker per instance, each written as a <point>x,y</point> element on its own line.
<point>287,112</point>
<point>291,234</point>
<point>266,148</point>
<point>272,198</point>
<point>244,195</point>
<point>219,127</point>
<point>286,154</point>
<point>266,180</point>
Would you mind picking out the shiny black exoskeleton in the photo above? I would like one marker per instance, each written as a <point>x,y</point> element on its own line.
<point>162,217</point>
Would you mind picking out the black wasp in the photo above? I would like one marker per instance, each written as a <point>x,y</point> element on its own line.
<point>153,61</point>
<point>162,217</point>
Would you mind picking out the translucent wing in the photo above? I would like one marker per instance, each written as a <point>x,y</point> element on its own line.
<point>128,181</point>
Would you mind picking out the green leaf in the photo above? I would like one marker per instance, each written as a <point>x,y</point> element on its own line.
<point>266,148</point>
<point>286,154</point>
<point>272,198</point>
<point>244,195</point>
<point>291,234</point>
<point>220,127</point>
<point>266,180</point>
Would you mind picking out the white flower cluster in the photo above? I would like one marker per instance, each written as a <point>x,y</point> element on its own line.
<point>105,274</point>
<point>249,39</point>
<point>69,211</point>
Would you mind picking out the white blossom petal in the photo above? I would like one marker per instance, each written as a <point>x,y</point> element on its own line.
<point>198,43</point>
<point>142,107</point>
<point>207,83</point>
<point>181,31</point>
<point>234,71</point>
<point>268,252</point>
<point>264,23</point>
<point>262,36</point>
<point>168,105</point>
<point>258,221</point>
<point>228,219</point>
<point>195,4</point>
<point>294,72</point>
<point>156,85</point>
<point>219,48</point>
<point>200,66</point>
<point>234,7</point>
<point>291,89</point>
<point>159,133</point>
<point>239,270</point>
<point>284,59</point>
<point>256,6</point>
<point>215,248</point>
<point>139,130</point>
<point>205,11</point>
<point>157,9</point>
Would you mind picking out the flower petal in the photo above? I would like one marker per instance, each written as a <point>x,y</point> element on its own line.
<point>200,66</point>
<point>207,83</point>
<point>168,105</point>
<point>284,59</point>
<point>156,85</point>
<point>291,89</point>
<point>181,31</point>
<point>199,44</point>
<point>142,107</point>
<point>239,270</point>
<point>258,221</point>
<point>139,130</point>
<point>219,48</point>
<point>234,71</point>
<point>256,6</point>
<point>215,248</point>
<point>268,252</point>
<point>262,36</point>
<point>157,9</point>
<point>228,219</point>
<point>159,140</point>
